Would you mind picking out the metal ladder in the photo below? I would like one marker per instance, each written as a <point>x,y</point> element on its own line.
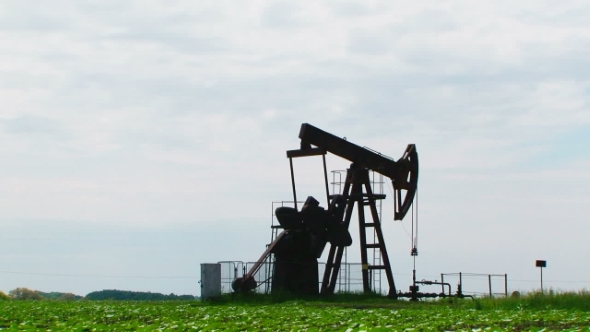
<point>343,276</point>
<point>377,185</point>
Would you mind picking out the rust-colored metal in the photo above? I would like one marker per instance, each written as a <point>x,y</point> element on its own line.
<point>403,172</point>
<point>308,231</point>
<point>247,282</point>
<point>357,192</point>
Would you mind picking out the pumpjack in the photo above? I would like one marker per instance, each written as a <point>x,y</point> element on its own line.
<point>306,232</point>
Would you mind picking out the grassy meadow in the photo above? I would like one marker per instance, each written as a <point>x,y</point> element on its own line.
<point>533,312</point>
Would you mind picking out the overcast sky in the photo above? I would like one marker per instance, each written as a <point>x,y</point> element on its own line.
<point>140,139</point>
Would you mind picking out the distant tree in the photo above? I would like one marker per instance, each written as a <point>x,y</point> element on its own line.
<point>49,296</point>
<point>3,296</point>
<point>119,295</point>
<point>68,297</point>
<point>22,293</point>
<point>59,296</point>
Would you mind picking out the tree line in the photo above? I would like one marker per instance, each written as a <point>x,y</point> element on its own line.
<point>23,293</point>
<point>135,296</point>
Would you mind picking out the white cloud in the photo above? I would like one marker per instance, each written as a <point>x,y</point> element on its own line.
<point>134,113</point>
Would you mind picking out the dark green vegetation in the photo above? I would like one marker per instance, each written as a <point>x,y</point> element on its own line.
<point>22,293</point>
<point>135,296</point>
<point>552,312</point>
<point>59,296</point>
<point>536,300</point>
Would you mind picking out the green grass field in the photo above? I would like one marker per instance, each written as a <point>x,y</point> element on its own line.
<point>552,312</point>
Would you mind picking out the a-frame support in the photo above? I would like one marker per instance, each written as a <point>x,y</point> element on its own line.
<point>358,192</point>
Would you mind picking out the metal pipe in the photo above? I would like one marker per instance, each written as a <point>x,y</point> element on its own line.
<point>443,284</point>
<point>541,280</point>
<point>326,180</point>
<point>293,183</point>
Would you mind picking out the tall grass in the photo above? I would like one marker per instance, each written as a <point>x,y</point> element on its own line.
<point>550,299</point>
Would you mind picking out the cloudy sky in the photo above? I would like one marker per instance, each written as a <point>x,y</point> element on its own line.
<point>140,139</point>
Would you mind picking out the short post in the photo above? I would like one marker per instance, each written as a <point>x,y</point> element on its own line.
<point>490,284</point>
<point>541,264</point>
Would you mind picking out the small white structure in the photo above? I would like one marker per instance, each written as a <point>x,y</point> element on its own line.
<point>210,280</point>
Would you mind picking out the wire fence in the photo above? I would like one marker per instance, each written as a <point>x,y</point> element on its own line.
<point>350,278</point>
<point>478,284</point>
